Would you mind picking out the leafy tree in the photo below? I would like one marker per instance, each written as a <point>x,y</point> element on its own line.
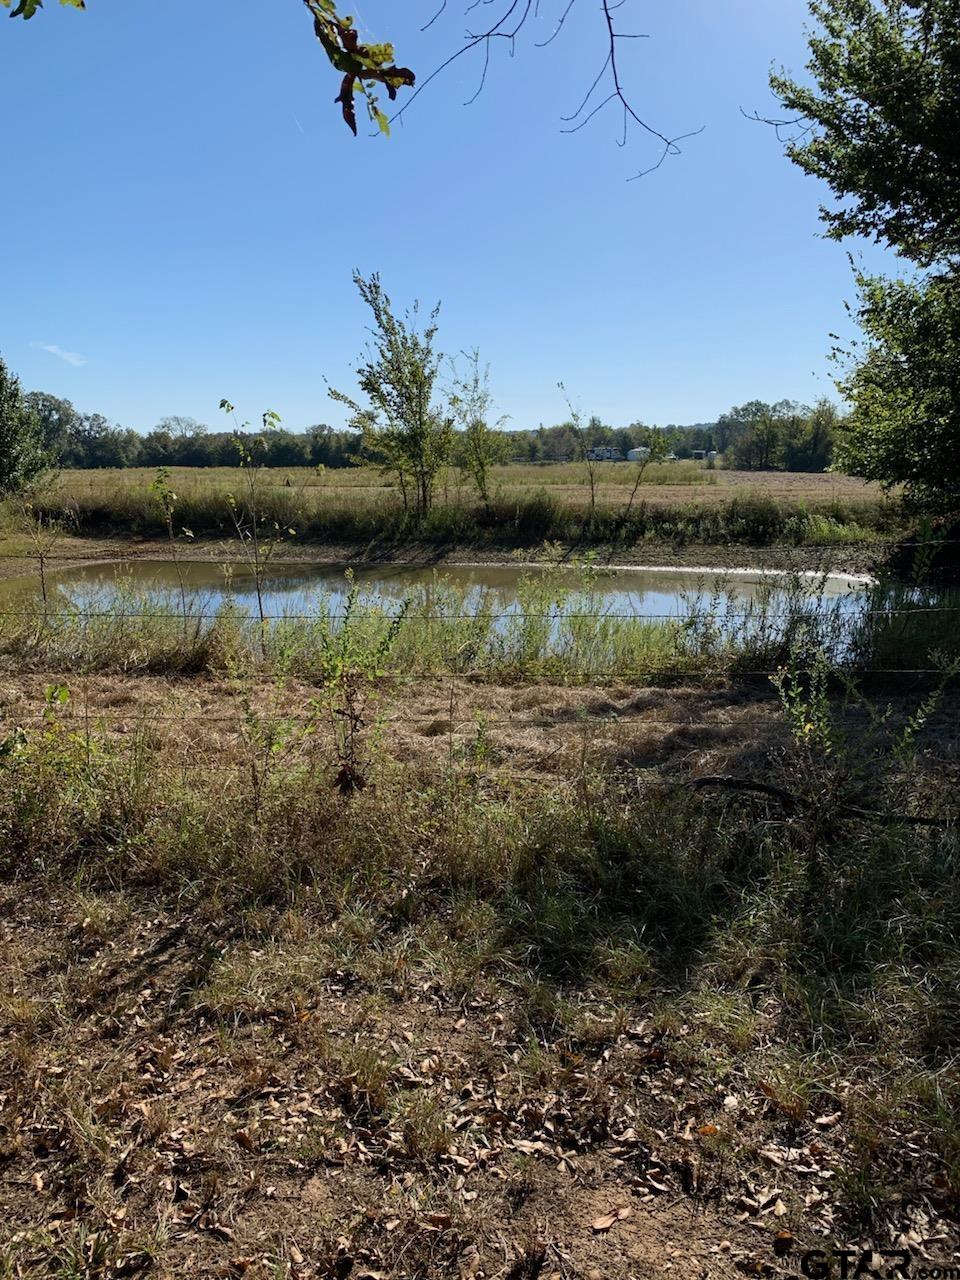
<point>181,428</point>
<point>732,424</point>
<point>881,120</point>
<point>750,434</point>
<point>179,440</point>
<point>159,448</point>
<point>22,456</point>
<point>559,444</point>
<point>57,420</point>
<point>96,442</point>
<point>479,446</point>
<point>328,448</point>
<point>905,390</point>
<point>784,436</point>
<point>880,124</point>
<point>755,449</point>
<point>401,427</point>
<point>285,449</point>
<point>195,451</point>
<point>807,440</point>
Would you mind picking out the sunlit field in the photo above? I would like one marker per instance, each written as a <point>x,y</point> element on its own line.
<point>677,504</point>
<point>692,481</point>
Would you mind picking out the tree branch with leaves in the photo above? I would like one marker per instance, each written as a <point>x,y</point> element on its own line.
<point>364,66</point>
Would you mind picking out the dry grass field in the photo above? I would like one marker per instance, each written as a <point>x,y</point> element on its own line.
<point>678,505</point>
<point>667,483</point>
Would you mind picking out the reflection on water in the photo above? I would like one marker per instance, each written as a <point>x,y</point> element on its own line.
<point>296,589</point>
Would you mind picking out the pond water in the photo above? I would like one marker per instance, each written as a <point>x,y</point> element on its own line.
<point>290,589</point>
<point>475,617</point>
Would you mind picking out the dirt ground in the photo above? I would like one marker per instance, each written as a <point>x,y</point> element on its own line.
<point>18,560</point>
<point>188,1149</point>
<point>168,1108</point>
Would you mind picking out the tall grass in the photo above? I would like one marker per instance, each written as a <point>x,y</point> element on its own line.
<point>903,622</point>
<point>518,515</point>
<point>560,625</point>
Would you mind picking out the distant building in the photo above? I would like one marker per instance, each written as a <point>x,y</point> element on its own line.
<point>638,455</point>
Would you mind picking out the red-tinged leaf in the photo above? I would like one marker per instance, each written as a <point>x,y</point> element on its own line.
<point>442,1220</point>
<point>398,77</point>
<point>345,98</point>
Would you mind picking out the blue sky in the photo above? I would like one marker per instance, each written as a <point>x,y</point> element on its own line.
<point>185,209</point>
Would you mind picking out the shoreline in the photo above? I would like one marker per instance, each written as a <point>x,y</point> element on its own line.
<point>858,562</point>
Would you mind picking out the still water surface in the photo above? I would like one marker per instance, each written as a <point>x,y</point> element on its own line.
<point>300,589</point>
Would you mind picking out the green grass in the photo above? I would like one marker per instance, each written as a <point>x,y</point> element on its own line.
<point>561,627</point>
<point>815,955</point>
<point>530,505</point>
<point>296,945</point>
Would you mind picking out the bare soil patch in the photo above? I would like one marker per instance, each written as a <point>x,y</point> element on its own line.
<point>18,561</point>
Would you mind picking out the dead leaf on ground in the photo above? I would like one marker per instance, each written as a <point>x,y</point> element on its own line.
<point>607,1220</point>
<point>782,1243</point>
<point>827,1122</point>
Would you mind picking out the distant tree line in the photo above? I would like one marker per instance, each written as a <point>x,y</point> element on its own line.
<point>752,437</point>
<point>755,437</point>
<point>88,440</point>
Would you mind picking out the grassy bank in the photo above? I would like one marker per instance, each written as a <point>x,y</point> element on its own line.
<point>529,506</point>
<point>462,1019</point>
<point>560,627</point>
